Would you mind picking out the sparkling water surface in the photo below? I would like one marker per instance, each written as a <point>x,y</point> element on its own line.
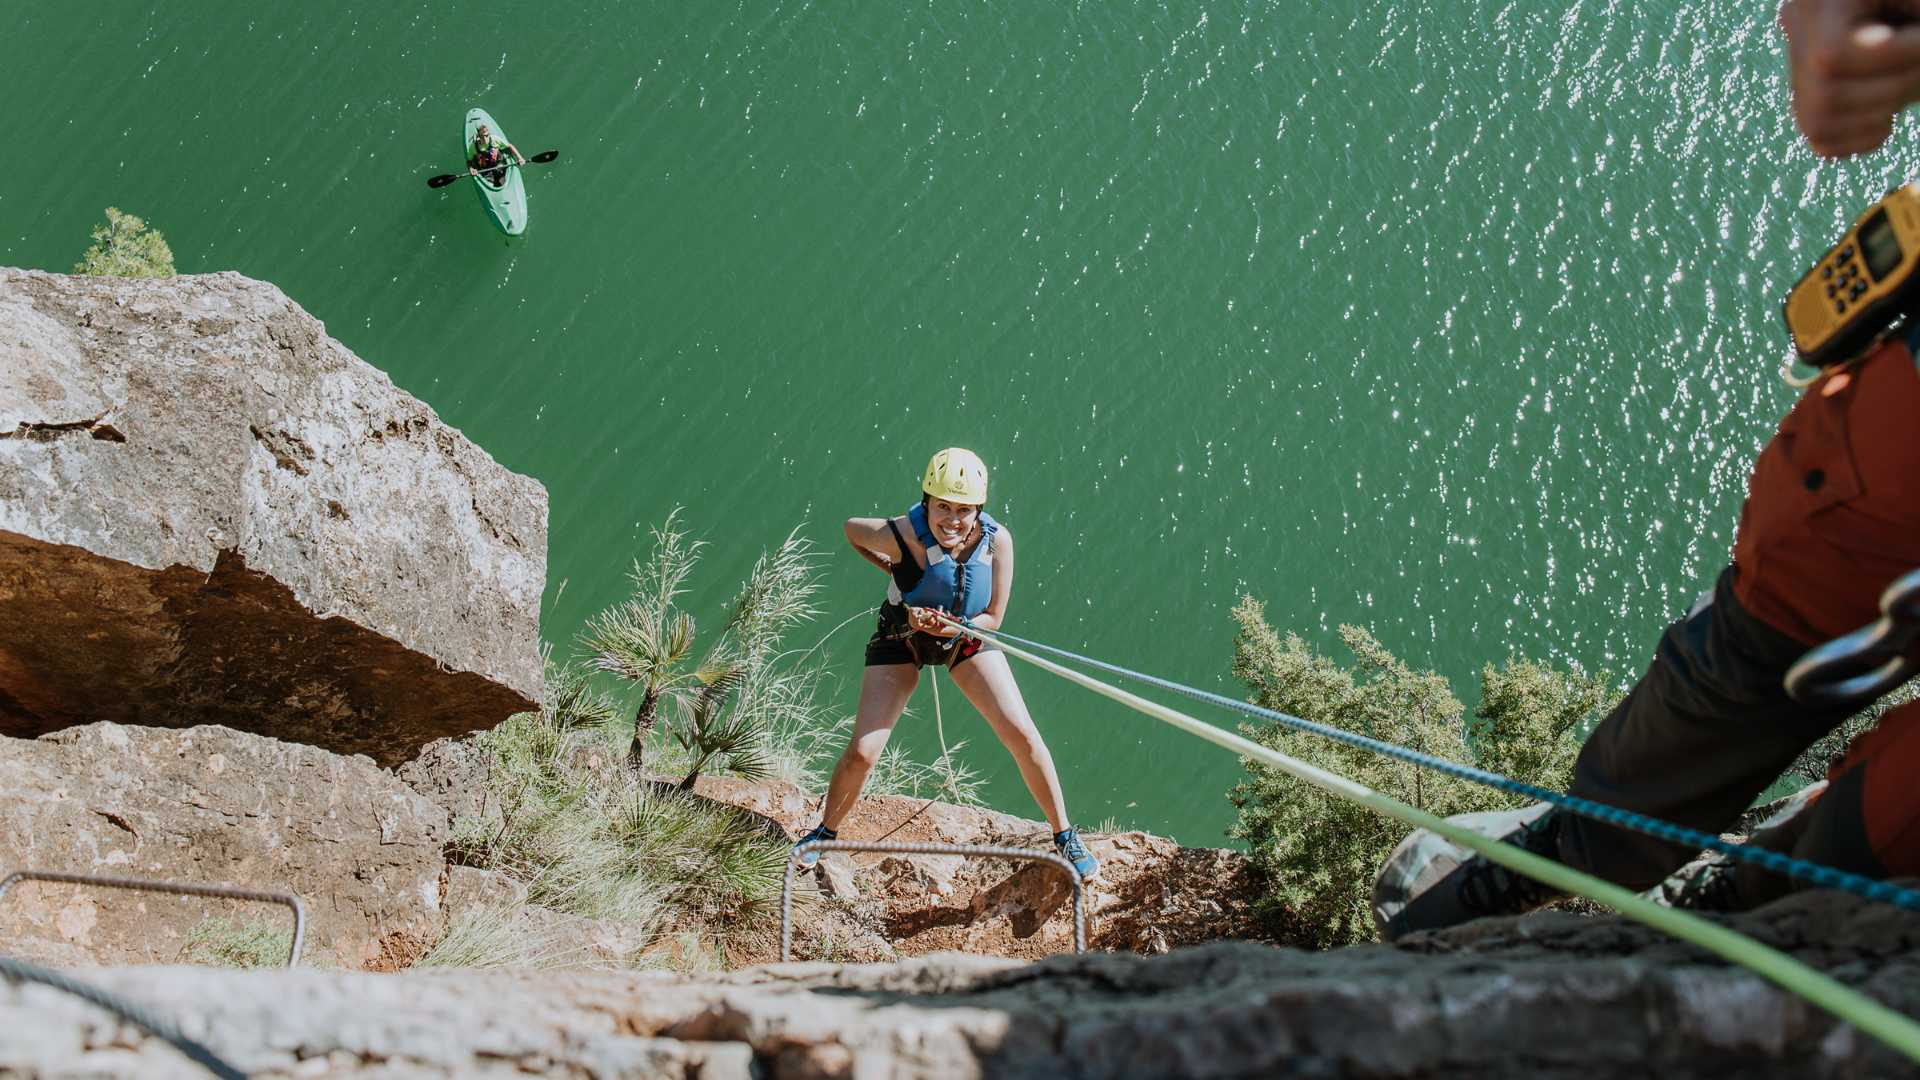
<point>1457,321</point>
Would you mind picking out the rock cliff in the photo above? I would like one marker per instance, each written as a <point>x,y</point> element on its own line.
<point>1553,995</point>
<point>211,512</point>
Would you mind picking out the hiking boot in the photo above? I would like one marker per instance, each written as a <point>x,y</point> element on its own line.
<point>1479,888</point>
<point>1070,847</point>
<point>1709,886</point>
<point>806,860</point>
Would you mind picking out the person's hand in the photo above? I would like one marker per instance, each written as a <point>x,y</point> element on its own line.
<point>929,621</point>
<point>471,171</point>
<point>1855,65</point>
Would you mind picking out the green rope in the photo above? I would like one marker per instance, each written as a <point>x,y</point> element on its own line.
<point>1851,1006</point>
<point>946,760</point>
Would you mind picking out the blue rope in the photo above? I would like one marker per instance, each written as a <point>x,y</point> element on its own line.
<point>1815,873</point>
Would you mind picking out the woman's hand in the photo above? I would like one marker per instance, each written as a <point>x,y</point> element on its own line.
<point>931,621</point>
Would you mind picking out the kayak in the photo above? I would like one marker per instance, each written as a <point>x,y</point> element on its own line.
<point>506,204</point>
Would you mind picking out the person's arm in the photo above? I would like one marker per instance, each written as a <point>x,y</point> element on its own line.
<point>1855,64</point>
<point>517,155</point>
<point>874,541</point>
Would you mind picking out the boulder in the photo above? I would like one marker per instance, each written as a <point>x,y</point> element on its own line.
<point>455,774</point>
<point>211,805</point>
<point>213,513</point>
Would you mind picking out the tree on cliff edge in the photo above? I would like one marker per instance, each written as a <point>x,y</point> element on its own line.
<point>1320,853</point>
<point>726,701</point>
<point>125,247</point>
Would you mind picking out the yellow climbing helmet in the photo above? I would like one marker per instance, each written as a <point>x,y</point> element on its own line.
<point>956,475</point>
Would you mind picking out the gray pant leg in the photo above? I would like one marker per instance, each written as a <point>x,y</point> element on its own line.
<point>1702,733</point>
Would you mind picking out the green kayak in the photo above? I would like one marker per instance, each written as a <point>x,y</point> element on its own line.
<point>506,204</point>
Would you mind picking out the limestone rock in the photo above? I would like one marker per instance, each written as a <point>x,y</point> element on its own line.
<point>470,887</point>
<point>453,773</point>
<point>211,805</point>
<point>1558,996</point>
<point>211,512</point>
<point>1152,893</point>
<point>836,876</point>
<point>577,941</point>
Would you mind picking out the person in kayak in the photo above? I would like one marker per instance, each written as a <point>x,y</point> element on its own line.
<point>488,155</point>
<point>945,555</point>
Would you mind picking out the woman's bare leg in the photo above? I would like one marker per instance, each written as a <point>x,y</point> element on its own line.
<point>988,683</point>
<point>884,691</point>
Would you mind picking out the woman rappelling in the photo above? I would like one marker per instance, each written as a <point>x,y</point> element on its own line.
<point>947,558</point>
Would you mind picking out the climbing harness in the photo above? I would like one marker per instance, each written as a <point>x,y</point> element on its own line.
<point>969,850</point>
<point>1891,1027</point>
<point>20,971</point>
<point>1814,873</point>
<point>1860,666</point>
<point>178,888</point>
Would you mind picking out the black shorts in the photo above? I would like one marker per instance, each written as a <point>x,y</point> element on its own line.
<point>893,643</point>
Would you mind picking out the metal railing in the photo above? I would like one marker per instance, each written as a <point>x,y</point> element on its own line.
<point>969,850</point>
<point>182,888</point>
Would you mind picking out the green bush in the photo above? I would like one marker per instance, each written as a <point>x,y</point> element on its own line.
<point>1318,852</point>
<point>125,247</point>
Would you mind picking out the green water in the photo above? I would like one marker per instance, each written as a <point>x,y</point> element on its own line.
<point>1454,320</point>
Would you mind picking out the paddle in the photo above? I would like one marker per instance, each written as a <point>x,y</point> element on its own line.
<point>447,178</point>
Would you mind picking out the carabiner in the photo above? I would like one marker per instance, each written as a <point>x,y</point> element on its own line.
<point>1859,667</point>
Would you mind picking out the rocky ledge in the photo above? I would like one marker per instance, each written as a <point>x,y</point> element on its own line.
<point>212,512</point>
<point>367,850</point>
<point>1553,995</point>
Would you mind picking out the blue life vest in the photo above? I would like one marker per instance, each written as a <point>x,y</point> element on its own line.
<point>962,589</point>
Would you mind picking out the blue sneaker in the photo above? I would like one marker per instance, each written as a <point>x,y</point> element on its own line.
<point>806,860</point>
<point>1074,851</point>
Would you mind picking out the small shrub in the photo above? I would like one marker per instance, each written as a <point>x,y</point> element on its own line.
<point>590,838</point>
<point>224,943</point>
<point>494,938</point>
<point>125,247</point>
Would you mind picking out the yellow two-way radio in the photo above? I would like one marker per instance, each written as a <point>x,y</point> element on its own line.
<point>1862,290</point>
